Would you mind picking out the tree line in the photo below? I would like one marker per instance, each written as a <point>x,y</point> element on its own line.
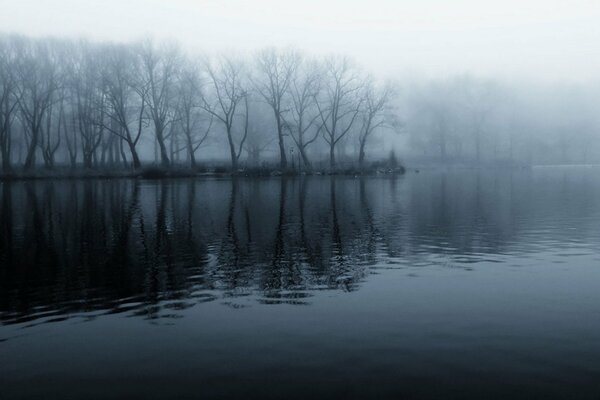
<point>479,121</point>
<point>114,105</point>
<point>88,104</point>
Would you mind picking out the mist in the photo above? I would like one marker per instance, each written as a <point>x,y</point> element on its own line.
<point>80,103</point>
<point>512,84</point>
<point>227,199</point>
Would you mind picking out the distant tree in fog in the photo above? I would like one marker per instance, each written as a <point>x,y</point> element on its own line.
<point>304,119</point>
<point>90,102</point>
<point>65,102</point>
<point>126,94</point>
<point>433,118</point>
<point>194,121</point>
<point>260,133</point>
<point>339,103</point>
<point>9,100</point>
<point>275,71</point>
<point>477,98</point>
<point>159,71</point>
<point>37,83</point>
<point>376,101</point>
<point>225,91</point>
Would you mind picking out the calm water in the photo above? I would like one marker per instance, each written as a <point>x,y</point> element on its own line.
<point>431,285</point>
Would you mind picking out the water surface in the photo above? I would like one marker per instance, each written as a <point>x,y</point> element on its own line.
<point>432,285</point>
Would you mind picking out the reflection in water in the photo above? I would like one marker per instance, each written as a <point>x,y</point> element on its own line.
<point>152,249</point>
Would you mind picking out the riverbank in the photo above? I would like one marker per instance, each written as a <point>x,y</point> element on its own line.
<point>178,172</point>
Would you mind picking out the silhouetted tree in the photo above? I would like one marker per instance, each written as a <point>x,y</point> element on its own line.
<point>340,102</point>
<point>225,92</point>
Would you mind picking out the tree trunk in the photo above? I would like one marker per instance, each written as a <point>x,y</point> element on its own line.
<point>190,147</point>
<point>123,157</point>
<point>332,155</point>
<point>305,159</point>
<point>234,163</point>
<point>30,158</point>
<point>172,149</point>
<point>164,156</point>
<point>361,153</point>
<point>283,162</point>
<point>73,159</point>
<point>6,167</point>
<point>192,158</point>
<point>134,156</point>
<point>87,161</point>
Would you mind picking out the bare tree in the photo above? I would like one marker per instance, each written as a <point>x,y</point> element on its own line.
<point>260,136</point>
<point>159,68</point>
<point>376,100</point>
<point>8,100</point>
<point>37,83</point>
<point>50,136</point>
<point>90,103</point>
<point>190,113</point>
<point>434,124</point>
<point>276,70</point>
<point>340,102</point>
<point>225,92</point>
<point>126,97</point>
<point>478,105</point>
<point>304,89</point>
<point>69,130</point>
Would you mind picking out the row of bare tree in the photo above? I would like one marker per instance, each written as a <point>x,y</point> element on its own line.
<point>94,104</point>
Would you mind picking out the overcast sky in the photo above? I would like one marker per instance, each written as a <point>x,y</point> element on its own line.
<point>542,39</point>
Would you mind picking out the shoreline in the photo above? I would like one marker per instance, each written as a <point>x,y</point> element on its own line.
<point>157,173</point>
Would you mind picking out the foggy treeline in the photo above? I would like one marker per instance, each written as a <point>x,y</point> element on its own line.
<point>107,105</point>
<point>474,121</point>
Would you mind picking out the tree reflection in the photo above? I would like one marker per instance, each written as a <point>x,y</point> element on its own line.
<point>153,249</point>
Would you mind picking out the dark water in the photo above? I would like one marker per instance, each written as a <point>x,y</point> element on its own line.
<point>432,285</point>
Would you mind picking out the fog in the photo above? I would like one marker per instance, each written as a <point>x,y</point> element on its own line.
<point>298,86</point>
<point>535,39</point>
<point>227,199</point>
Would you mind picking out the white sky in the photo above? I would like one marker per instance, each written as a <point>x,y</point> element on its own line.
<point>541,39</point>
